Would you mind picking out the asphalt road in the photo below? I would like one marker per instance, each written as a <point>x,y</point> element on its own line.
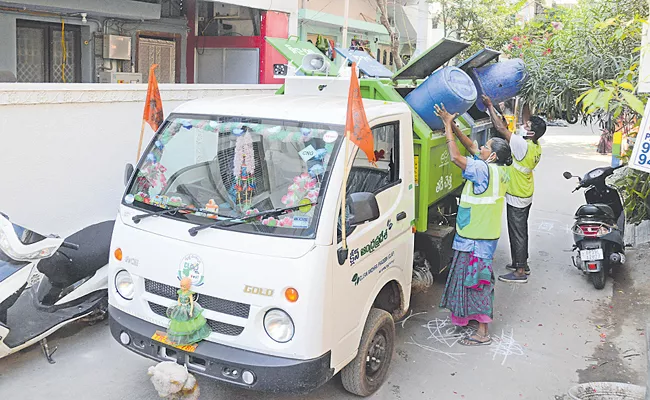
<point>551,333</point>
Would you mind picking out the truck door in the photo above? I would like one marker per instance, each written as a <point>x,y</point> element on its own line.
<point>380,248</point>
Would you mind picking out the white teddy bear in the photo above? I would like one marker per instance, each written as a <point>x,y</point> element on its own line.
<point>173,382</point>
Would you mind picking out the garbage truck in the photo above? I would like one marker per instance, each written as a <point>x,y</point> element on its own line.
<point>242,195</point>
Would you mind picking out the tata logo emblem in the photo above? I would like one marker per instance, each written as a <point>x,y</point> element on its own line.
<point>132,261</point>
<point>258,291</point>
<point>191,266</point>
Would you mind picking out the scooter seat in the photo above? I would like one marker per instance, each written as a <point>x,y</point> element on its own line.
<point>68,266</point>
<point>595,210</point>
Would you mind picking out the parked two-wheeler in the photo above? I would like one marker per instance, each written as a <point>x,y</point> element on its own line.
<point>47,282</point>
<point>599,228</point>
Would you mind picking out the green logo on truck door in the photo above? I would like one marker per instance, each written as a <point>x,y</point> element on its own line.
<point>382,265</point>
<point>374,244</point>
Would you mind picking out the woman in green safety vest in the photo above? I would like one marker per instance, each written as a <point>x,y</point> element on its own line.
<point>469,292</point>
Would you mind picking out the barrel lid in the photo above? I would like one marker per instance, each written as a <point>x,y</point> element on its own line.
<point>432,59</point>
<point>461,84</point>
<point>479,59</point>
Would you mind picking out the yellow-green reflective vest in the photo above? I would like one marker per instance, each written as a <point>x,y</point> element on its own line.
<point>479,215</point>
<point>521,172</point>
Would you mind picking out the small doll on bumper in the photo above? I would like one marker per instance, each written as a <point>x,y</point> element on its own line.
<point>187,324</point>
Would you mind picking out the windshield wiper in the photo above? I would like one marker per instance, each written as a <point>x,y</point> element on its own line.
<point>240,220</point>
<point>136,219</point>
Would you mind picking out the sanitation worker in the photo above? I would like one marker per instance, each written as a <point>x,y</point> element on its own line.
<point>469,292</point>
<point>526,152</point>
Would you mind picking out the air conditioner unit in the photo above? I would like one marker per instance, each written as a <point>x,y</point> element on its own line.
<point>226,11</point>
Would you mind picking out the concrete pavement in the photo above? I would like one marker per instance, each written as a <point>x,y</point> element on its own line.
<point>550,334</point>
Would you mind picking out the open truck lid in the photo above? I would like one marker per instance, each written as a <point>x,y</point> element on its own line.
<point>479,59</point>
<point>432,59</point>
<point>295,50</point>
<point>366,63</point>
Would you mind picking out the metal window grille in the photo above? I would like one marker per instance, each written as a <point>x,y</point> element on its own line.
<point>42,57</point>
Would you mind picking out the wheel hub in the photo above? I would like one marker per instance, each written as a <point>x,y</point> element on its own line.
<point>376,354</point>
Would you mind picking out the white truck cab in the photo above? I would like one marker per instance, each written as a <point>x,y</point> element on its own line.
<point>248,195</point>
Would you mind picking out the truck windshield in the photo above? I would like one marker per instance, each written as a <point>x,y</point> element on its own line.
<point>226,167</point>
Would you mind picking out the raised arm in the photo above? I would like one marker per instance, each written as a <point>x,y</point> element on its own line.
<point>498,123</point>
<point>467,142</point>
<point>448,120</point>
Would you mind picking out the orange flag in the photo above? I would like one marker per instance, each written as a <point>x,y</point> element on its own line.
<point>153,112</point>
<point>357,128</point>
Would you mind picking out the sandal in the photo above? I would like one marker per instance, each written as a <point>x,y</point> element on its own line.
<point>469,341</point>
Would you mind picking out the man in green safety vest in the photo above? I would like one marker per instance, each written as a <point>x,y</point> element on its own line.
<point>526,153</point>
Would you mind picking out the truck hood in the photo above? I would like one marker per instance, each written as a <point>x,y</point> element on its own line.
<point>237,278</point>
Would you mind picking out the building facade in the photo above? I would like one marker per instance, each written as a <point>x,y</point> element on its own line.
<point>88,41</point>
<point>326,18</point>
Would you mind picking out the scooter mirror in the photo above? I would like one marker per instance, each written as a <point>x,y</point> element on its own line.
<point>128,171</point>
<point>567,175</point>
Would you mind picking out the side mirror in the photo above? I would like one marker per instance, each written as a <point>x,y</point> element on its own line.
<point>567,175</point>
<point>363,208</point>
<point>128,172</point>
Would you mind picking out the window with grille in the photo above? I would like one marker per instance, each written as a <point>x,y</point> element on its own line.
<point>45,53</point>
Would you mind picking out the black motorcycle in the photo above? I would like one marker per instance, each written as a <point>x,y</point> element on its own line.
<point>599,228</point>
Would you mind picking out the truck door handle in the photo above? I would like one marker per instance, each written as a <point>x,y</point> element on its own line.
<point>401,216</point>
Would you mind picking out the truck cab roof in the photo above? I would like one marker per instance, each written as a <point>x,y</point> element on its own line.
<point>314,109</point>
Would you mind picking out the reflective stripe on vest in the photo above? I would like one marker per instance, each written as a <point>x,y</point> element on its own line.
<point>479,215</point>
<point>521,172</point>
<point>521,168</point>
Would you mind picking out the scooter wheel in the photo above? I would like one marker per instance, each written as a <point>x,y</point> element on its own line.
<point>599,278</point>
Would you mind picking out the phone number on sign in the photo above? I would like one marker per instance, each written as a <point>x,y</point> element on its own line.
<point>643,158</point>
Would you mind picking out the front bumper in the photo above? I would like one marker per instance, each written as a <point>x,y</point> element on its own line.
<point>216,361</point>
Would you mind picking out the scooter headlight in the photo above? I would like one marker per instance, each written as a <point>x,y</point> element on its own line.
<point>124,285</point>
<point>43,253</point>
<point>278,325</point>
<point>6,248</point>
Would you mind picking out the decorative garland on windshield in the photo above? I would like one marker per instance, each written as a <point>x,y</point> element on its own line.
<point>244,167</point>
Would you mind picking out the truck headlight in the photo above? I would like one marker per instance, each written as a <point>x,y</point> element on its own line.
<point>278,325</point>
<point>124,285</point>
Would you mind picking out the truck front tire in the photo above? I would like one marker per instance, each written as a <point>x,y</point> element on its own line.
<point>367,372</point>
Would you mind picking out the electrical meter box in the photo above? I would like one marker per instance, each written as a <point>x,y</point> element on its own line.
<point>117,47</point>
<point>120,77</point>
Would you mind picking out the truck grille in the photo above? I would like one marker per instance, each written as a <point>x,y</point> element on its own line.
<point>216,326</point>
<point>208,302</point>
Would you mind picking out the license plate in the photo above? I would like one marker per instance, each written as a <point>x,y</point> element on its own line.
<point>591,255</point>
<point>162,338</point>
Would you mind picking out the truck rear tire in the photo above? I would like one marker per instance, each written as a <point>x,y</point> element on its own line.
<point>367,372</point>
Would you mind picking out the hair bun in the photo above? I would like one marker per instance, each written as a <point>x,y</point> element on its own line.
<point>508,161</point>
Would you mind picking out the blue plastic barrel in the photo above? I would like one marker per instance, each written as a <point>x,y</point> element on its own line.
<point>500,81</point>
<point>450,86</point>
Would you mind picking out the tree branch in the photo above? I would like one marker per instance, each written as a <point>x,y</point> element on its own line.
<point>394,39</point>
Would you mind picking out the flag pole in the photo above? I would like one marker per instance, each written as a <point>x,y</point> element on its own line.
<point>141,138</point>
<point>346,172</point>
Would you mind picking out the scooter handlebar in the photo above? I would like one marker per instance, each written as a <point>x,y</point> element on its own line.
<point>70,246</point>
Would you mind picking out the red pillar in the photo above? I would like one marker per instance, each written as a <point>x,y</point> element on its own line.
<point>274,24</point>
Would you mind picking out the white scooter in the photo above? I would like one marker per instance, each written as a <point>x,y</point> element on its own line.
<point>47,282</point>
